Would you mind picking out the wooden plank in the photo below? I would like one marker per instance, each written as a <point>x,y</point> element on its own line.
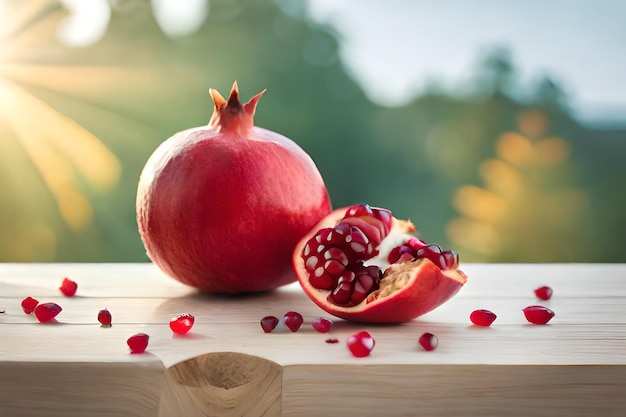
<point>450,391</point>
<point>77,389</point>
<point>226,365</point>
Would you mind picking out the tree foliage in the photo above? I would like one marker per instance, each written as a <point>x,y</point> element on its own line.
<point>431,161</point>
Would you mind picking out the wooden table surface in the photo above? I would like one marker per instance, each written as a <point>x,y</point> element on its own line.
<point>227,366</point>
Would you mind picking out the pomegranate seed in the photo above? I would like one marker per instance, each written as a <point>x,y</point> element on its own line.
<point>269,323</point>
<point>322,324</point>
<point>332,340</point>
<point>324,263</point>
<point>362,234</point>
<point>47,311</point>
<point>182,323</point>
<point>428,341</point>
<point>451,259</point>
<point>538,314</point>
<point>543,293</point>
<point>482,317</point>
<point>29,304</point>
<point>415,248</point>
<point>334,236</point>
<point>68,287</point>
<point>382,216</point>
<point>138,342</point>
<point>104,317</point>
<point>358,245</point>
<point>361,344</point>
<point>435,254</point>
<point>359,210</point>
<point>400,253</point>
<point>415,243</point>
<point>293,320</point>
<point>355,285</point>
<point>385,217</point>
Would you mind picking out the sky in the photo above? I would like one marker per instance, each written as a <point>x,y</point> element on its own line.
<point>395,47</point>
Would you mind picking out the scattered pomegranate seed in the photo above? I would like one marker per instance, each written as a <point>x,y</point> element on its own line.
<point>47,311</point>
<point>138,342</point>
<point>332,340</point>
<point>543,293</point>
<point>29,304</point>
<point>293,320</point>
<point>361,344</point>
<point>428,341</point>
<point>538,314</point>
<point>182,323</point>
<point>68,287</point>
<point>322,324</point>
<point>104,317</point>
<point>482,317</point>
<point>269,323</point>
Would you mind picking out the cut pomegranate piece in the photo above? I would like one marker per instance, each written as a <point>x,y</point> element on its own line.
<point>269,323</point>
<point>29,304</point>
<point>322,324</point>
<point>68,287</point>
<point>138,342</point>
<point>538,314</point>
<point>47,311</point>
<point>360,263</point>
<point>361,344</point>
<point>543,293</point>
<point>428,341</point>
<point>182,323</point>
<point>104,317</point>
<point>482,317</point>
<point>293,320</point>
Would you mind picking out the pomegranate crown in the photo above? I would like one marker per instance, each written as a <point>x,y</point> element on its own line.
<point>231,114</point>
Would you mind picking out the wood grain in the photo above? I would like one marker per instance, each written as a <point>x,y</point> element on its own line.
<point>222,384</point>
<point>227,366</point>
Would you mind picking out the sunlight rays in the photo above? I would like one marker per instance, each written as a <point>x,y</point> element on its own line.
<point>62,151</point>
<point>68,158</point>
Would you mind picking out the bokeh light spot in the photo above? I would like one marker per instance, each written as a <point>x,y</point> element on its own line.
<point>514,148</point>
<point>180,18</point>
<point>86,23</point>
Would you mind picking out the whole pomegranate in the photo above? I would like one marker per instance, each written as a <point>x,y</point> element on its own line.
<point>221,207</point>
<point>362,264</point>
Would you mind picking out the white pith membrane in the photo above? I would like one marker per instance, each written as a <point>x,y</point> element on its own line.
<point>397,236</point>
<point>396,275</point>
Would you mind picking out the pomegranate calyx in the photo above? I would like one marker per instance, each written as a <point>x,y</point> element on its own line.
<point>231,114</point>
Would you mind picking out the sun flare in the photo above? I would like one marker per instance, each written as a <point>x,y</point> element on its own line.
<point>68,159</point>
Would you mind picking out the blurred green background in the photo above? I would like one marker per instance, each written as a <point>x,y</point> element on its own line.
<point>498,172</point>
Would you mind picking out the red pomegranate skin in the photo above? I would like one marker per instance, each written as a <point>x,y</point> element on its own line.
<point>221,207</point>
